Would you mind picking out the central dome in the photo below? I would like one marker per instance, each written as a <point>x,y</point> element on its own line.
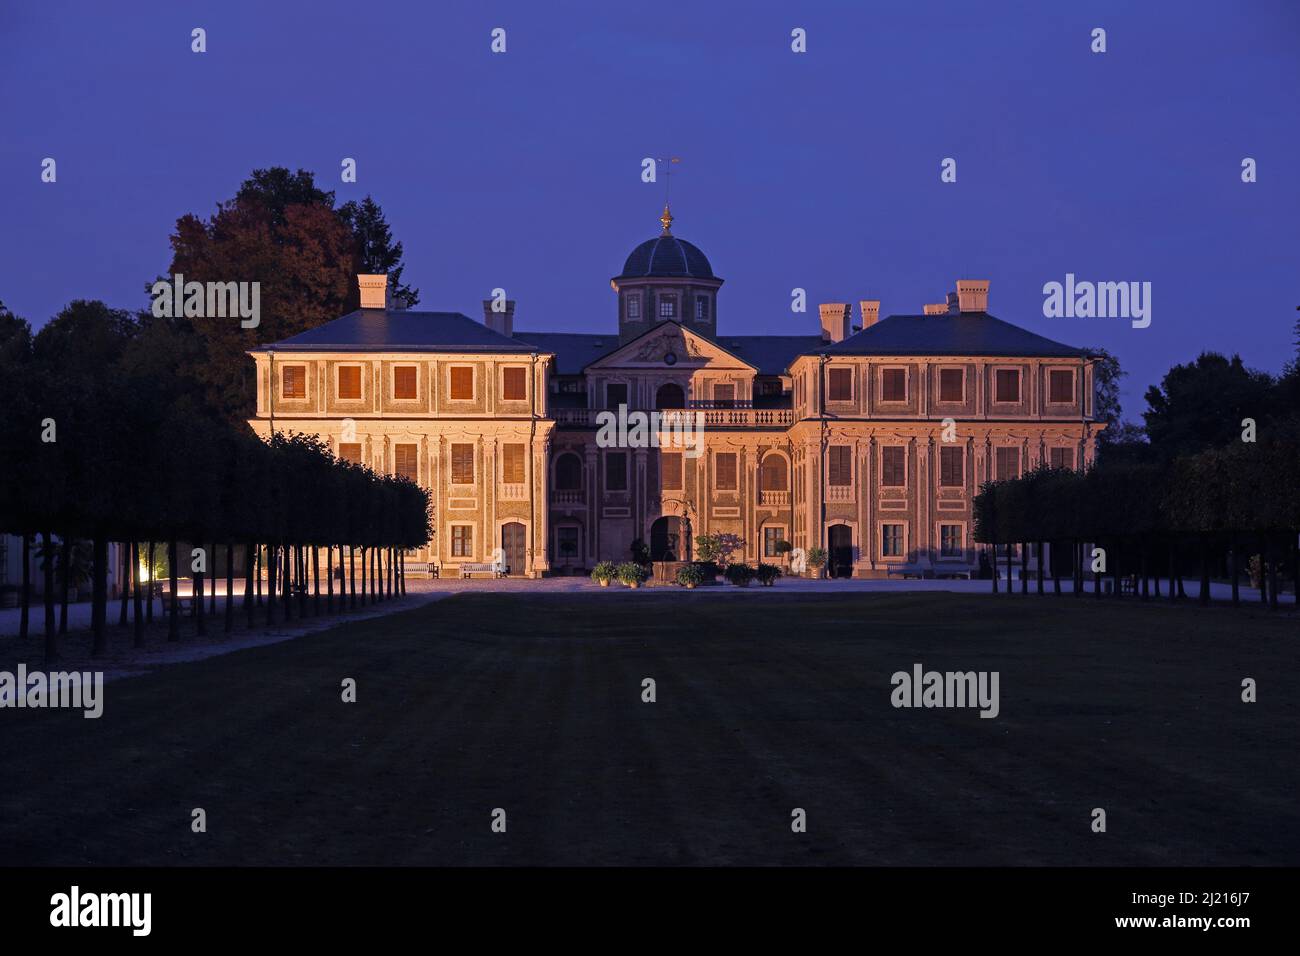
<point>667,256</point>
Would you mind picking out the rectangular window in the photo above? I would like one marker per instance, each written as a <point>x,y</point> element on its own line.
<point>462,464</point>
<point>839,385</point>
<point>462,541</point>
<point>952,467</point>
<point>634,306</point>
<point>293,381</point>
<point>615,394</point>
<point>770,537</point>
<point>725,471</point>
<point>615,471</point>
<point>406,461</point>
<point>462,383</point>
<point>668,307</point>
<point>952,385</point>
<point>512,464</point>
<point>839,465</point>
<point>1006,385</point>
<point>566,542</point>
<point>1007,463</point>
<point>1060,386</point>
<point>724,396</point>
<point>671,466</point>
<point>1062,458</point>
<point>893,385</point>
<point>893,466</point>
<point>404,381</point>
<point>891,540</point>
<point>702,309</point>
<point>514,383</point>
<point>350,451</point>
<point>350,381</point>
<point>950,543</point>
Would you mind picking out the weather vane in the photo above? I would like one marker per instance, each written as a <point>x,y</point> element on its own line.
<point>667,217</point>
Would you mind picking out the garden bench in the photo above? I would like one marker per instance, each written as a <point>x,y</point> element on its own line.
<point>497,571</point>
<point>904,571</point>
<point>183,602</point>
<point>432,569</point>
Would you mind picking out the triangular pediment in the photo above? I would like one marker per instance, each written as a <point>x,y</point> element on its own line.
<point>669,345</point>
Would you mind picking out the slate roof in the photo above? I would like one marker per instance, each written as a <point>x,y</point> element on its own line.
<point>666,256</point>
<point>377,330</point>
<point>964,333</point>
<point>574,351</point>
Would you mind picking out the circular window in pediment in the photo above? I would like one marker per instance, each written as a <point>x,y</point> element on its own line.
<point>670,358</point>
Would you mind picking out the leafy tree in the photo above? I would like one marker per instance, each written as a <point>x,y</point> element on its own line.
<point>376,251</point>
<point>1202,404</point>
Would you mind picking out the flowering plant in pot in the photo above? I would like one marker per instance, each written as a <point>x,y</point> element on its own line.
<point>604,572</point>
<point>631,574</point>
<point>690,575</point>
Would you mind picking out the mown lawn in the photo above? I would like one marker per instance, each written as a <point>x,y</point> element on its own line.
<point>532,703</point>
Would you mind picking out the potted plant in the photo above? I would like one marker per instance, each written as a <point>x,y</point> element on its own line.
<point>817,560</point>
<point>604,572</point>
<point>767,574</point>
<point>690,575</point>
<point>783,549</point>
<point>631,574</point>
<point>740,574</point>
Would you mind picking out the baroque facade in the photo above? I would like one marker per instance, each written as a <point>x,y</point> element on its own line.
<point>869,440</point>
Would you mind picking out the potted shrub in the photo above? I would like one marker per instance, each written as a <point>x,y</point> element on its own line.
<point>783,549</point>
<point>817,560</point>
<point>604,572</point>
<point>690,575</point>
<point>740,574</point>
<point>767,574</point>
<point>631,574</point>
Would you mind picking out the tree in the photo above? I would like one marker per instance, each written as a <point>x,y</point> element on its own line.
<point>376,252</point>
<point>1202,404</point>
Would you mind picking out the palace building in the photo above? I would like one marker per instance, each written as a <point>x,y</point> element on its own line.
<point>869,440</point>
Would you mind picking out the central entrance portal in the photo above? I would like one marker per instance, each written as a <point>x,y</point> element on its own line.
<point>512,548</point>
<point>670,539</point>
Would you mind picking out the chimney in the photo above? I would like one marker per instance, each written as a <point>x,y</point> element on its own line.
<point>973,295</point>
<point>935,308</point>
<point>835,321</point>
<point>374,291</point>
<point>503,323</point>
<point>870,312</point>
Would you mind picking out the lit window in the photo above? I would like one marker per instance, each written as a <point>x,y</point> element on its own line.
<point>634,306</point>
<point>668,307</point>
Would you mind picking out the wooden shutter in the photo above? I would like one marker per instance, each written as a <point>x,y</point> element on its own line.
<point>462,383</point>
<point>840,384</point>
<point>514,384</point>
<point>512,464</point>
<point>294,379</point>
<point>350,381</point>
<point>462,464</point>
<point>671,463</point>
<point>406,461</point>
<point>404,381</point>
<point>839,465</point>
<point>725,471</point>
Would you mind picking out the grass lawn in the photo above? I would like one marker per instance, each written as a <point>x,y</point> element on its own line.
<point>532,703</point>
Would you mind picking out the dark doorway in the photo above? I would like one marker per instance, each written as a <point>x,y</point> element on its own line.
<point>670,396</point>
<point>512,547</point>
<point>670,540</point>
<point>840,538</point>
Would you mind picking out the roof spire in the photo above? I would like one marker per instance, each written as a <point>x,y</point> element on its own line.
<point>667,220</point>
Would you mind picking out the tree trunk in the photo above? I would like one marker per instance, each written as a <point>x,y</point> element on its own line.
<point>198,596</point>
<point>148,608</point>
<point>230,586</point>
<point>329,579</point>
<point>250,599</point>
<point>1235,558</point>
<point>1142,569</point>
<point>1096,583</point>
<point>286,582</point>
<point>212,587</point>
<point>1173,570</point>
<point>1272,572</point>
<point>65,565</point>
<point>24,617</point>
<point>257,576</point>
<point>124,586</point>
<point>402,565</point>
<point>99,605</point>
<point>315,580</point>
<point>270,585</point>
<point>352,578</point>
<point>1204,596</point>
<point>1024,567</point>
<point>994,564</point>
<point>47,583</point>
<point>173,612</point>
<point>1040,567</point>
<point>134,558</point>
<point>1010,590</point>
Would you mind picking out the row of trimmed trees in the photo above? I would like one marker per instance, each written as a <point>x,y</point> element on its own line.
<point>106,442</point>
<point>1141,521</point>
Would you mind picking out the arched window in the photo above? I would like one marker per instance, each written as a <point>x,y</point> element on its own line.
<point>775,474</point>
<point>670,396</point>
<point>568,472</point>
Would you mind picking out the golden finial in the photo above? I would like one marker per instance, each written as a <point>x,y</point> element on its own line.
<point>667,220</point>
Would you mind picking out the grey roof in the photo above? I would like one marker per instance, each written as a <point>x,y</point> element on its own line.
<point>666,256</point>
<point>962,333</point>
<point>770,354</point>
<point>377,330</point>
<point>574,351</point>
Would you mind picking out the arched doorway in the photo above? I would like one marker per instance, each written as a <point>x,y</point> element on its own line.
<point>512,548</point>
<point>670,539</point>
<point>840,541</point>
<point>670,395</point>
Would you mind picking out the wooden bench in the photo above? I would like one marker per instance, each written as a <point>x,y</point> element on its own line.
<point>904,571</point>
<point>497,571</point>
<point>432,569</point>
